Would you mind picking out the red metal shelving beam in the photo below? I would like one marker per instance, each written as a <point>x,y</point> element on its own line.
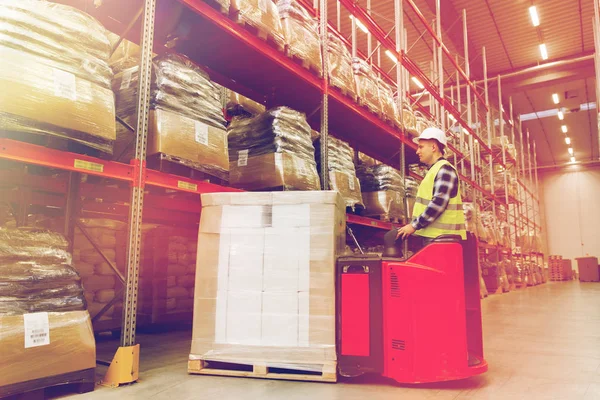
<point>373,223</point>
<point>39,155</point>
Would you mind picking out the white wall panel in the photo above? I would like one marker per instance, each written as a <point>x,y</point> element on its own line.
<point>572,212</point>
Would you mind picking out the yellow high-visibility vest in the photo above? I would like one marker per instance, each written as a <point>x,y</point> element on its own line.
<point>452,220</point>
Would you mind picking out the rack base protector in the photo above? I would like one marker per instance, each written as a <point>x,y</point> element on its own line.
<point>124,368</point>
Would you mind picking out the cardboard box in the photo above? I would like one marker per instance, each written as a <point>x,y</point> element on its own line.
<point>39,97</point>
<point>193,141</point>
<point>588,269</point>
<point>72,348</point>
<point>267,293</point>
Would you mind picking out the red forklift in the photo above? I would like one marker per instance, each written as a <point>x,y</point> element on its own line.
<point>414,320</point>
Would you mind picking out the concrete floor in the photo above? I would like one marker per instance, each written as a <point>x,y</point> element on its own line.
<point>540,343</point>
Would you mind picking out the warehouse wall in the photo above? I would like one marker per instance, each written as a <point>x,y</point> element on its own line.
<point>571,211</point>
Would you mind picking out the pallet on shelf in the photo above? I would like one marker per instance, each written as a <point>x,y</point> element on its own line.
<point>271,38</point>
<point>325,372</point>
<point>83,381</point>
<point>178,166</point>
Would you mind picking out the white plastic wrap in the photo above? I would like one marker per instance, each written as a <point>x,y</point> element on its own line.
<point>265,278</point>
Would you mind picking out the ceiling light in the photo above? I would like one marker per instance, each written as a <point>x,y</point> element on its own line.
<point>451,117</point>
<point>561,115</point>
<point>535,19</point>
<point>570,150</point>
<point>568,140</point>
<point>391,56</point>
<point>564,129</point>
<point>417,82</point>
<point>572,159</point>
<point>466,132</point>
<point>555,98</point>
<point>360,25</point>
<point>544,51</point>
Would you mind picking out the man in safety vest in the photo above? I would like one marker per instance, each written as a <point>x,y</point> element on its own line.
<point>438,207</point>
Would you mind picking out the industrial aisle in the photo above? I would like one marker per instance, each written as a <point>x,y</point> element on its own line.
<point>541,343</point>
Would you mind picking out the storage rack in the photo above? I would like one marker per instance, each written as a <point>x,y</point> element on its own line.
<point>472,117</point>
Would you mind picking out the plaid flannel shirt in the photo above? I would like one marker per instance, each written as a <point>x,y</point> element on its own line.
<point>445,187</point>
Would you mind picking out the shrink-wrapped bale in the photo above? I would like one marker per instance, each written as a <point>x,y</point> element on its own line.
<point>341,74</point>
<point>272,150</point>
<point>186,118</point>
<point>54,74</point>
<point>366,85</point>
<point>261,15</point>
<point>342,172</point>
<point>45,329</point>
<point>273,300</point>
<point>383,191</point>
<point>388,103</point>
<point>301,32</point>
<point>238,105</point>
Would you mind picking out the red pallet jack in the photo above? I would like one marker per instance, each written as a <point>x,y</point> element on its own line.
<point>414,320</point>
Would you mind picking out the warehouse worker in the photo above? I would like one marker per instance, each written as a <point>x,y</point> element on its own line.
<point>438,206</point>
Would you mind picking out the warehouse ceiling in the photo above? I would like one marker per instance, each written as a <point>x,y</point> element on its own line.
<point>512,44</point>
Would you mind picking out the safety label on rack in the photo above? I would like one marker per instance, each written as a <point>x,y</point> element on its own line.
<point>88,166</point>
<point>65,84</point>
<point>201,133</point>
<point>37,329</point>
<point>242,158</point>
<point>126,79</point>
<point>187,185</point>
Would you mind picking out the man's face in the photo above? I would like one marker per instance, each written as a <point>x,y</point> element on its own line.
<point>425,151</point>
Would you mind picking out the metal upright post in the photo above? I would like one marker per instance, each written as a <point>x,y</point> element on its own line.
<point>489,126</point>
<point>469,105</point>
<point>71,207</point>
<point>125,365</point>
<point>369,37</point>
<point>596,24</point>
<point>325,97</point>
<point>400,40</point>
<point>440,67</point>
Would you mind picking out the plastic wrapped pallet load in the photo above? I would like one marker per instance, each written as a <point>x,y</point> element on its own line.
<point>54,74</point>
<point>382,191</point>
<point>342,172</point>
<point>341,74</point>
<point>272,150</point>
<point>45,329</point>
<point>265,280</point>
<point>366,85</point>
<point>261,15</point>
<point>186,118</point>
<point>301,32</point>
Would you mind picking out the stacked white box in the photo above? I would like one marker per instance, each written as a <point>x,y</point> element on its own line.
<point>265,278</point>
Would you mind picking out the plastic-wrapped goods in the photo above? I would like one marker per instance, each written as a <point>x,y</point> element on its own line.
<point>488,220</point>
<point>126,55</point>
<point>301,32</point>
<point>383,190</point>
<point>503,141</point>
<point>388,103</point>
<point>272,150</point>
<point>470,218</point>
<point>267,266</point>
<point>238,105</point>
<point>186,119</point>
<point>342,173</point>
<point>366,160</point>
<point>366,85</point>
<point>261,15</point>
<point>70,346</point>
<point>409,120</point>
<point>411,188</point>
<point>54,74</point>
<point>341,74</point>
<point>421,122</point>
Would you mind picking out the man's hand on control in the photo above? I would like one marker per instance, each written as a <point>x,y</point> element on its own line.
<point>405,231</point>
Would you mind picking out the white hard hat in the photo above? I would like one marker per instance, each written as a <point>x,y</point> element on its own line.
<point>432,133</point>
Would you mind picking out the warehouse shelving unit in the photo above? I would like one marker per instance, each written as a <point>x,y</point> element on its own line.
<point>137,193</point>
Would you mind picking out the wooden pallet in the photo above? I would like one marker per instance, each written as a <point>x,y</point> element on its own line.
<point>328,372</point>
<point>351,95</point>
<point>273,39</point>
<point>306,64</point>
<point>83,381</point>
<point>179,166</point>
